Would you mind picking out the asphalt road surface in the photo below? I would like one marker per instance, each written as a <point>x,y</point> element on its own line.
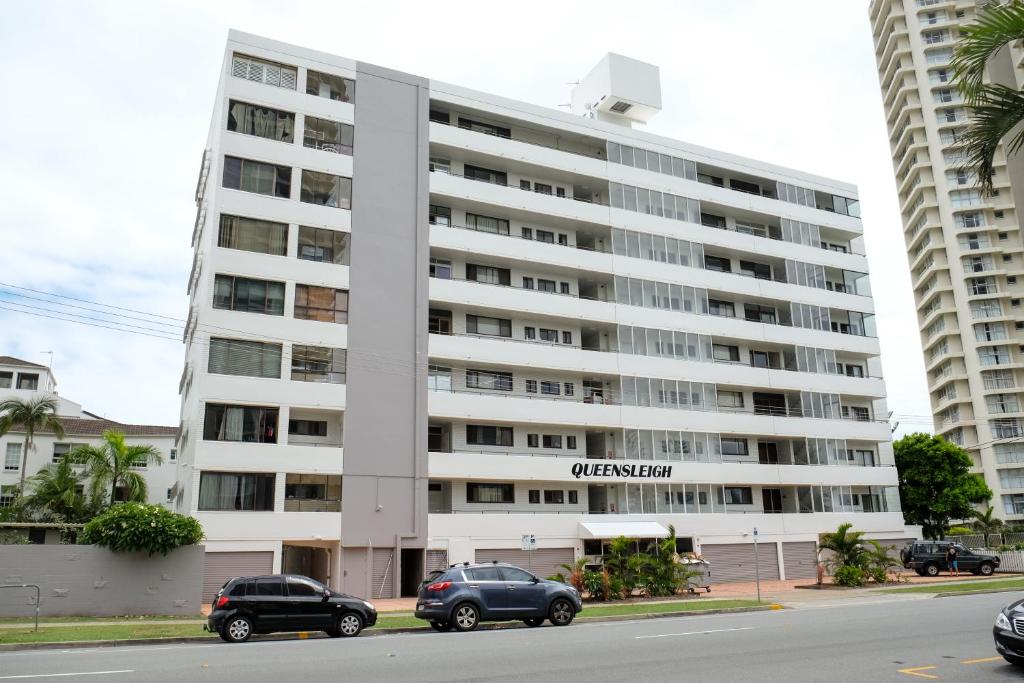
<point>945,639</point>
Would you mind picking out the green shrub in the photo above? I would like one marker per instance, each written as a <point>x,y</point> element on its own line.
<point>128,527</point>
<point>960,531</point>
<point>13,537</point>
<point>878,574</point>
<point>849,575</point>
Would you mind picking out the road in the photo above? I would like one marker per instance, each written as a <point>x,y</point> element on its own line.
<point>833,642</point>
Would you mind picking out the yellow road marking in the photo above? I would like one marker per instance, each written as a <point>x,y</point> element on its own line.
<point>979,661</point>
<point>916,671</point>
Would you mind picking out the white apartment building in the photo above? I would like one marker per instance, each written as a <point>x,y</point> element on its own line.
<point>964,250</point>
<point>426,321</point>
<point>23,380</point>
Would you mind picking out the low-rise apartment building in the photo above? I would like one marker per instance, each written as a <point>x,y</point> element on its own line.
<point>426,322</point>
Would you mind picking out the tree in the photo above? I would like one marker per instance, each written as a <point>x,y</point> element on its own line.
<point>56,490</point>
<point>846,546</point>
<point>995,109</point>
<point>985,523</point>
<point>111,465</point>
<point>135,526</point>
<point>936,484</point>
<point>33,415</point>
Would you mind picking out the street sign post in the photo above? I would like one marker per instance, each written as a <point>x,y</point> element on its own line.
<point>528,542</point>
<point>757,568</point>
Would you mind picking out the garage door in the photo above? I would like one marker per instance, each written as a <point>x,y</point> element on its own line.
<point>544,563</point>
<point>800,560</point>
<point>383,573</point>
<point>437,560</point>
<point>735,561</point>
<point>219,567</point>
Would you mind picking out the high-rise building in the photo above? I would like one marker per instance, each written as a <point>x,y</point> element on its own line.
<point>429,324</point>
<point>964,249</point>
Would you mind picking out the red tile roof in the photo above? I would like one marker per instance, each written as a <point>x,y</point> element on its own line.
<point>77,426</point>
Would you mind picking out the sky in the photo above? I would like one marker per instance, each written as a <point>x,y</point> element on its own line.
<point>107,107</point>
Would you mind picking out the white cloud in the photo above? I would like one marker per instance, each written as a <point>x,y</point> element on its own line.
<point>102,137</point>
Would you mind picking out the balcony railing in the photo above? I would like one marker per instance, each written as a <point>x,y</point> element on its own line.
<point>585,200</point>
<point>677,457</point>
<point>597,155</point>
<point>311,505</point>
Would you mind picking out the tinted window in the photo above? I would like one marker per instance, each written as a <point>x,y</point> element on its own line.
<point>483,574</point>
<point>238,589</point>
<point>268,587</point>
<point>299,588</point>
<point>516,574</point>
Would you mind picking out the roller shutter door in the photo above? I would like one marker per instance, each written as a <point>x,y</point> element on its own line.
<point>219,567</point>
<point>383,573</point>
<point>735,561</point>
<point>545,561</point>
<point>437,560</point>
<point>800,560</point>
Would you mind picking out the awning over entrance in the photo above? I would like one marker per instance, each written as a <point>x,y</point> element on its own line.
<point>602,530</point>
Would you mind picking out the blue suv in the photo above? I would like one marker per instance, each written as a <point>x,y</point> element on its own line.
<point>466,594</point>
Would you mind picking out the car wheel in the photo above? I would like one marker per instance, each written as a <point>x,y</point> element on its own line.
<point>534,622</point>
<point>237,630</point>
<point>441,626</point>
<point>465,617</point>
<point>562,612</point>
<point>350,624</point>
<point>931,569</point>
<point>986,569</point>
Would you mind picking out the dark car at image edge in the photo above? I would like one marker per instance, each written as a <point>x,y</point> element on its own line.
<point>463,595</point>
<point>274,603</point>
<point>1008,633</point>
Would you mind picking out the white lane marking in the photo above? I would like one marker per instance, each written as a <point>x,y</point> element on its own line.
<point>80,673</point>
<point>696,633</point>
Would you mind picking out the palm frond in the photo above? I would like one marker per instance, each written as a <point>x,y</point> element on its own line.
<point>995,112</point>
<point>996,26</point>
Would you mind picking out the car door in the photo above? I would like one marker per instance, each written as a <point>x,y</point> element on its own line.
<point>307,609</point>
<point>487,583</point>
<point>526,596</point>
<point>268,603</point>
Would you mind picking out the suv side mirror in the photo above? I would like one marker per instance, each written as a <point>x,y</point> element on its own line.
<point>535,580</point>
<point>327,594</point>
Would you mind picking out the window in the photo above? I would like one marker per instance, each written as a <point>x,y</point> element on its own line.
<point>534,496</point>
<point>526,233</point>
<point>761,271</point>
<point>250,424</point>
<point>546,285</point>
<point>726,353</point>
<point>440,165</point>
<point>528,283</point>
<point>552,441</point>
<point>247,295</point>
<point>6,378</point>
<point>261,122</point>
<point>497,226</point>
<point>570,443</point>
<point>533,441</point>
<point>554,497</point>
<point>732,446</point>
<point>324,246</point>
<point>486,379</point>
<point>325,304</point>
<point>489,129</point>
<point>566,337</point>
<point>12,457</point>
<point>485,174</point>
<point>439,321</point>
<point>574,497</point>
<point>542,188</point>
<point>254,176</point>
<point>530,332</point>
<point>28,381</point>
<point>250,234</point>
<point>759,314</point>
<point>730,399</point>
<point>230,491</point>
<point>440,268</point>
<point>439,378</point>
<point>488,274</point>
<point>524,185</point>
<point>718,263</point>
<point>318,364</point>
<point>62,449</point>
<point>330,86</point>
<point>302,588</point>
<point>326,189</point>
<point>563,288</point>
<point>489,493</point>
<point>494,327</point>
<point>263,71</point>
<point>738,495</point>
<point>531,386</point>
<point>487,435</point>
<point>8,492</point>
<point>722,308</point>
<point>570,388</point>
<point>172,454</point>
<point>244,358</point>
<point>551,388</point>
<point>440,215</point>
<point>545,236</point>
<point>307,427</point>
<point>327,135</point>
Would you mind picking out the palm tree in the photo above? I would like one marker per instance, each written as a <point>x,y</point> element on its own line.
<point>111,466</point>
<point>985,523</point>
<point>55,489</point>
<point>33,415</point>
<point>996,109</point>
<point>846,546</point>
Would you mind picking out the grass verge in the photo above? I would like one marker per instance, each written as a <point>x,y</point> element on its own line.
<point>961,587</point>
<point>87,632</point>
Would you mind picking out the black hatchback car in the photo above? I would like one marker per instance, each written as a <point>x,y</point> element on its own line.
<point>1008,632</point>
<point>928,558</point>
<point>285,602</point>
<point>466,594</point>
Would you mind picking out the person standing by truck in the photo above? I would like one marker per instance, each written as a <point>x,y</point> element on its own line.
<point>951,560</point>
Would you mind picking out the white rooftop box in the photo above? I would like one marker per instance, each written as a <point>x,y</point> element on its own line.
<point>619,90</point>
